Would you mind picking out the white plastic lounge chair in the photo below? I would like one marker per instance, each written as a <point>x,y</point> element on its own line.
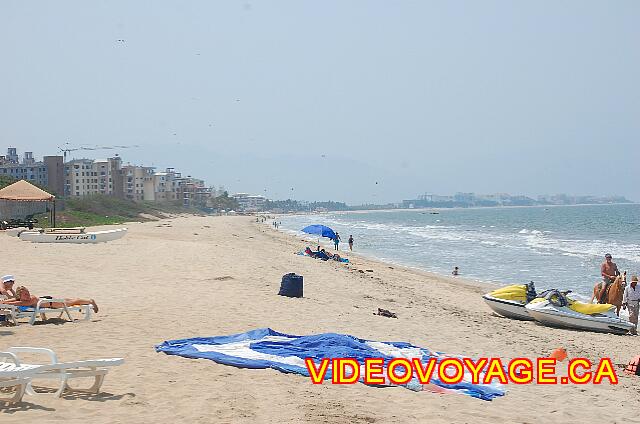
<point>32,313</point>
<point>13,374</point>
<point>9,313</point>
<point>64,371</point>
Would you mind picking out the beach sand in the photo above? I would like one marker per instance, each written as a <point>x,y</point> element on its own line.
<point>207,276</point>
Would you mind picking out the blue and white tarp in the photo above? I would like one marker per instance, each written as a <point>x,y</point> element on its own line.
<point>266,348</point>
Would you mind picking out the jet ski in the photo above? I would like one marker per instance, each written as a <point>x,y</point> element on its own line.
<point>555,309</point>
<point>510,301</point>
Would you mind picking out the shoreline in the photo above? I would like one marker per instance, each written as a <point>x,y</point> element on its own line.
<point>488,285</point>
<point>209,276</point>
<point>528,250</point>
<point>421,209</point>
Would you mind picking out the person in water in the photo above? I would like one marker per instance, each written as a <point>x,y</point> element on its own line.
<point>25,298</point>
<point>609,271</point>
<point>455,271</point>
<point>336,241</point>
<point>351,242</point>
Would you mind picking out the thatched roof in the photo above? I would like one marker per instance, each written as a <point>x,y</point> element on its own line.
<point>24,191</point>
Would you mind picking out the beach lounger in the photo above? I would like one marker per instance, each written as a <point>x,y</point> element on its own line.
<point>32,313</point>
<point>8,313</point>
<point>65,371</point>
<point>14,374</point>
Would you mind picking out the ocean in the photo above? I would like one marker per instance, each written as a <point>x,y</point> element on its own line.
<point>554,246</point>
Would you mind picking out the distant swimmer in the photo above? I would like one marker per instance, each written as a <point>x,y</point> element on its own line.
<point>351,242</point>
<point>456,271</point>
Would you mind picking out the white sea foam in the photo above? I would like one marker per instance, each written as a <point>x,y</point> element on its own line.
<point>504,251</point>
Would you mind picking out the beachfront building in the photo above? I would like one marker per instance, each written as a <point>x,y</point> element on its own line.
<point>165,184</point>
<point>464,197</point>
<point>192,191</point>
<point>55,174</point>
<point>137,181</point>
<point>12,155</point>
<point>34,172</point>
<point>84,177</point>
<point>250,203</point>
<point>46,173</point>
<point>498,198</point>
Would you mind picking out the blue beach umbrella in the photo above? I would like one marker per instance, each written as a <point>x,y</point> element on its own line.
<point>320,230</point>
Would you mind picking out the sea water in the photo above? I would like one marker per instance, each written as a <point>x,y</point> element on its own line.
<point>555,246</point>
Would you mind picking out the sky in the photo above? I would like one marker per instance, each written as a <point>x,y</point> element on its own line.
<point>353,101</point>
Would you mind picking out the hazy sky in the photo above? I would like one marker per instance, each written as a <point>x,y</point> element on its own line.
<point>323,99</point>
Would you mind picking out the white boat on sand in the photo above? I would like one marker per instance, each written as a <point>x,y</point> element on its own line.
<point>509,301</point>
<point>508,308</point>
<point>556,310</point>
<point>15,232</point>
<point>71,235</point>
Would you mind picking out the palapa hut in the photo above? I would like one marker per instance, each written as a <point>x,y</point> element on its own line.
<point>22,198</point>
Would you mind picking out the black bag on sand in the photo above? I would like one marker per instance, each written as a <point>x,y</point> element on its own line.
<point>291,285</point>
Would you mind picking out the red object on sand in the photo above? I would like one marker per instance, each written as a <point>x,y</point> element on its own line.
<point>633,367</point>
<point>560,354</point>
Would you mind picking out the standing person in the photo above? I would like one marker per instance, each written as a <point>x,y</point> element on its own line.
<point>336,241</point>
<point>351,242</point>
<point>631,299</point>
<point>609,271</point>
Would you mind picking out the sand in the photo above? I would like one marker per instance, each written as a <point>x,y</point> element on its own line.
<point>207,276</point>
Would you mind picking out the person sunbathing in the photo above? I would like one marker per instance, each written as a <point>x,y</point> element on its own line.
<point>322,255</point>
<point>25,298</point>
<point>6,287</point>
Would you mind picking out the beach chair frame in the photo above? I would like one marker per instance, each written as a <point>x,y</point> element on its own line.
<point>15,313</point>
<point>14,374</point>
<point>65,371</point>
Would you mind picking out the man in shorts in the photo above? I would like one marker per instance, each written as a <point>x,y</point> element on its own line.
<point>609,271</point>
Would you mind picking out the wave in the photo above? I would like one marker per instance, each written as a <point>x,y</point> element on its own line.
<point>586,249</point>
<point>539,242</point>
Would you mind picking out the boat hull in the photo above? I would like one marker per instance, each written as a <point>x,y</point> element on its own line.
<point>508,308</point>
<point>15,232</point>
<point>84,238</point>
<point>566,318</point>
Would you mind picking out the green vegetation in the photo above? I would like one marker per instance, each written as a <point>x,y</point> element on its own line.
<point>290,205</point>
<point>99,209</point>
<point>5,181</point>
<point>69,218</point>
<point>224,202</point>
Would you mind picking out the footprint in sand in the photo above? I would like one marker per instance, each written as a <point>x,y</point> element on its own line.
<point>224,278</point>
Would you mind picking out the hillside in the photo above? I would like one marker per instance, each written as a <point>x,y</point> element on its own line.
<point>100,209</point>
